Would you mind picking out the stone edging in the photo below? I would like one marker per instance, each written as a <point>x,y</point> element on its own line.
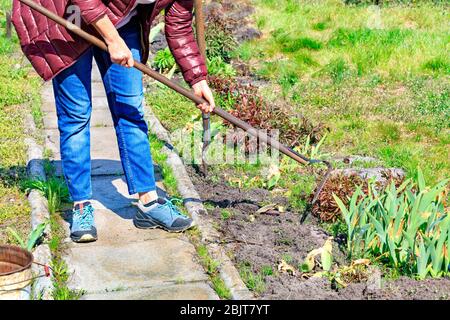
<point>39,208</point>
<point>210,237</point>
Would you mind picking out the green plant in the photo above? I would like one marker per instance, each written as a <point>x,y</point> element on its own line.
<point>312,151</point>
<point>226,214</point>
<point>59,280</point>
<point>211,267</point>
<point>33,237</point>
<point>254,281</point>
<point>54,189</point>
<point>218,67</point>
<point>408,226</point>
<point>267,271</point>
<point>164,60</point>
<point>219,39</point>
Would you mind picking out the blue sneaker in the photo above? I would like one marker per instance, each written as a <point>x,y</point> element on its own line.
<point>161,213</point>
<point>83,228</point>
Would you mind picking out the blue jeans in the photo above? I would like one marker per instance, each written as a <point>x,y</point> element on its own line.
<point>124,90</point>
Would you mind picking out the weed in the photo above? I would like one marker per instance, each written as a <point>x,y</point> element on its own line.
<point>219,38</point>
<point>321,25</point>
<point>267,271</point>
<point>164,60</point>
<point>438,64</point>
<point>226,214</point>
<point>294,45</point>
<point>338,70</point>
<point>54,189</point>
<point>59,281</point>
<point>210,266</point>
<point>253,281</point>
<point>33,238</point>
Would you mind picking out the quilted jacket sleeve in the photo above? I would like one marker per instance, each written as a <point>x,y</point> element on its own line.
<point>181,40</point>
<point>90,10</point>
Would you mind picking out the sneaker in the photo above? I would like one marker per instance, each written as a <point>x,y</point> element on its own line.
<point>83,228</point>
<point>161,213</point>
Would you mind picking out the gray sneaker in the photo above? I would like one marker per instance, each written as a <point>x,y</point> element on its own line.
<point>161,213</point>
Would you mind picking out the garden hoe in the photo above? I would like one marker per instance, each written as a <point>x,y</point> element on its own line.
<point>206,121</point>
<point>263,137</point>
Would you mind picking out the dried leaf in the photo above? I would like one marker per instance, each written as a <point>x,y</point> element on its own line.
<point>283,266</point>
<point>309,262</point>
<point>266,208</point>
<point>357,262</point>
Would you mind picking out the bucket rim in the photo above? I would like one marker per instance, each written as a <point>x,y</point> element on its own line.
<point>27,253</point>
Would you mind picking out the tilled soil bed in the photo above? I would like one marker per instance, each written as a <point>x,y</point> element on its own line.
<point>260,241</point>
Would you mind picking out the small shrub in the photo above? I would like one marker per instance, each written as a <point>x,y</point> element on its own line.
<point>164,60</point>
<point>245,102</point>
<point>219,38</point>
<point>343,186</point>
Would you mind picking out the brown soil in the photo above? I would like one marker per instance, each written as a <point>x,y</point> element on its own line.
<point>261,240</point>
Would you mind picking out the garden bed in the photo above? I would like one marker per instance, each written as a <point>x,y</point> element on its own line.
<point>258,242</point>
<point>316,72</point>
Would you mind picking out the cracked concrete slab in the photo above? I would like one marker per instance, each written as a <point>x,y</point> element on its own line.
<point>132,264</point>
<point>184,291</point>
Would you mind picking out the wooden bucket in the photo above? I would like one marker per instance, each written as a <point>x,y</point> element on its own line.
<point>15,273</point>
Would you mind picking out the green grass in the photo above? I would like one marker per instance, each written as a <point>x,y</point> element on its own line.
<point>253,280</point>
<point>172,107</point>
<point>383,90</point>
<point>211,267</point>
<point>18,91</point>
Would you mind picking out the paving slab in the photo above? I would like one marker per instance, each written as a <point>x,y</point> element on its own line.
<point>186,291</point>
<point>99,167</point>
<point>133,264</point>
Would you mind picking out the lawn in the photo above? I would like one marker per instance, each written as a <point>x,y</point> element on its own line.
<point>377,78</point>
<point>18,92</point>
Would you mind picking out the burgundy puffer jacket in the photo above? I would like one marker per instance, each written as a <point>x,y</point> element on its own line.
<point>51,48</point>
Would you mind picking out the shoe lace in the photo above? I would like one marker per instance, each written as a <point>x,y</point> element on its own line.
<point>86,218</point>
<point>170,203</point>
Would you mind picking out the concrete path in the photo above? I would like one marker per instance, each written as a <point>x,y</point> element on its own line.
<point>125,263</point>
